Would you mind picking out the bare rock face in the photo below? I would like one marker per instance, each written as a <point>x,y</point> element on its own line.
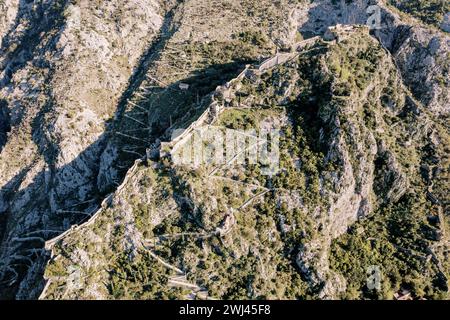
<point>362,170</point>
<point>68,70</point>
<point>7,16</point>
<point>445,25</point>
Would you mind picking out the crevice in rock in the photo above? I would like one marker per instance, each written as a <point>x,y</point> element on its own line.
<point>5,123</point>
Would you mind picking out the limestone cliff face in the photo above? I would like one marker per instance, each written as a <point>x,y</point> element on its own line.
<point>64,66</point>
<point>421,53</point>
<point>8,15</point>
<point>68,72</point>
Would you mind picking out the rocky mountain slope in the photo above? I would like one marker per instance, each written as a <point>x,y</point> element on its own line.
<point>93,206</point>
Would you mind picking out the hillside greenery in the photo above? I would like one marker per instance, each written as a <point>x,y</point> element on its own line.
<point>429,11</point>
